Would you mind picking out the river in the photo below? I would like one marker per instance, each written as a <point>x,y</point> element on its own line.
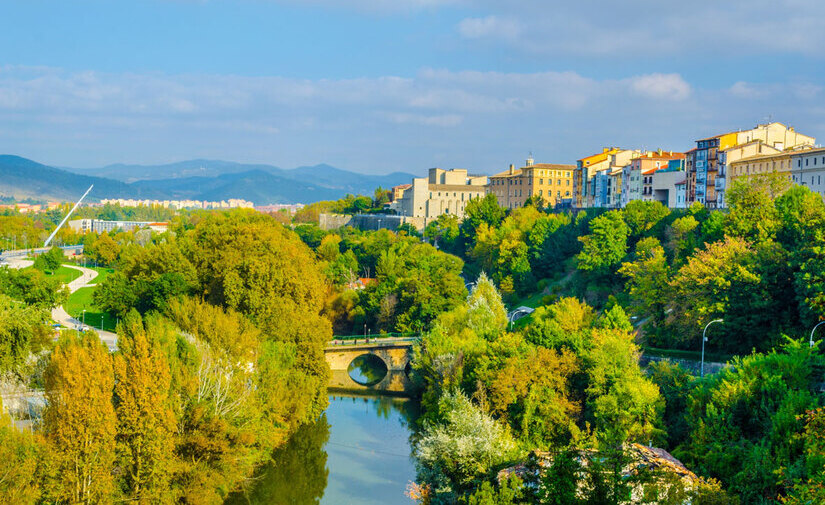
<point>358,452</point>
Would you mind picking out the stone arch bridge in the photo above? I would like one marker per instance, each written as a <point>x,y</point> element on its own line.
<point>394,352</point>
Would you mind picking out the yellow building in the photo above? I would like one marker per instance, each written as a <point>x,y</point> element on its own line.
<point>551,182</point>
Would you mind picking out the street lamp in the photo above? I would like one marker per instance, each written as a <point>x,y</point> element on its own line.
<point>705,339</point>
<point>812,331</point>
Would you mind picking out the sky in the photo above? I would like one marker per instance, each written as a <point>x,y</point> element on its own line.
<point>377,86</point>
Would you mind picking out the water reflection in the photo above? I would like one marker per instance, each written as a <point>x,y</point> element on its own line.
<point>297,473</point>
<point>357,453</point>
<point>367,369</point>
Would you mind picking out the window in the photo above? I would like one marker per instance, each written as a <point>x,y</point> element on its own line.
<point>559,182</point>
<point>541,181</point>
<point>540,193</point>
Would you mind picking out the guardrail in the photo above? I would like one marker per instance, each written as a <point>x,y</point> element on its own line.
<point>371,339</point>
<point>36,250</point>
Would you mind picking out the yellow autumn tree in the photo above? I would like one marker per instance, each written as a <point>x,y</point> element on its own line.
<point>18,460</point>
<point>146,423</point>
<point>79,421</point>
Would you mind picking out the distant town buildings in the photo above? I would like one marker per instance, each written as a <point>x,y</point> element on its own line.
<point>442,192</point>
<point>289,207</point>
<point>551,183</point>
<point>26,208</point>
<point>232,203</point>
<point>101,226</point>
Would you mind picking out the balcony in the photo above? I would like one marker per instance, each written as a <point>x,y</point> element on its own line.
<point>719,184</point>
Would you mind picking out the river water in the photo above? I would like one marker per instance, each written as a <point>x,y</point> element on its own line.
<point>358,452</point>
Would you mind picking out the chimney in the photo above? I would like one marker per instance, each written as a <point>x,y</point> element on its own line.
<point>512,169</point>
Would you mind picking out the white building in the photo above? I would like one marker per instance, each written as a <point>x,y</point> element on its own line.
<point>808,169</point>
<point>100,226</point>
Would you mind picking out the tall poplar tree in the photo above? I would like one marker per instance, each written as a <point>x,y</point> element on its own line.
<point>79,421</point>
<point>145,420</point>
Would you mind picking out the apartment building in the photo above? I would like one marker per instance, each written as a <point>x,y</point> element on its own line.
<point>644,166</point>
<point>553,183</point>
<point>592,191</point>
<point>707,164</point>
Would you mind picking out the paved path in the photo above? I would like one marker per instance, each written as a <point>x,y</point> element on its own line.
<point>61,316</point>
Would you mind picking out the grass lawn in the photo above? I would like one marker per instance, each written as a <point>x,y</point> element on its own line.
<point>82,299</point>
<point>65,274</point>
<point>102,273</point>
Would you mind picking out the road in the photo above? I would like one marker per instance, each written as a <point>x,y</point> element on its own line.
<point>59,314</point>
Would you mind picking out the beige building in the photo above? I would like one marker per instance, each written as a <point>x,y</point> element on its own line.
<point>760,164</point>
<point>551,182</point>
<point>442,192</point>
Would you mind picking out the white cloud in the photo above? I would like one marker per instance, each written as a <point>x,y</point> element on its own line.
<point>661,86</point>
<point>647,27</point>
<point>479,120</point>
<point>490,26</point>
<point>742,89</point>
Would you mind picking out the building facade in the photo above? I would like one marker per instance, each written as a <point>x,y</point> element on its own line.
<point>668,184</point>
<point>552,183</point>
<point>808,169</point>
<point>442,192</point>
<point>707,164</point>
<point>642,167</point>
<point>592,191</point>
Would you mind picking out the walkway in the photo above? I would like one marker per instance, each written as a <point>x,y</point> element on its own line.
<point>61,316</point>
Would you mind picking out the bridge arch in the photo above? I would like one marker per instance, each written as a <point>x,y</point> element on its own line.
<point>395,355</point>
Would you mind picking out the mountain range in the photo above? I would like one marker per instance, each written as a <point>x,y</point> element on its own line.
<point>193,179</point>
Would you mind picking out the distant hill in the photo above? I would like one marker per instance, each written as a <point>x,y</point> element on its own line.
<point>24,178</point>
<point>193,179</point>
<point>323,175</point>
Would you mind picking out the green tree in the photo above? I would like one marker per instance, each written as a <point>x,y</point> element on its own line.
<point>477,211</point>
<point>50,260</point>
<point>648,278</point>
<point>606,245</point>
<point>753,215</point>
<point>642,216</point>
<point>744,422</point>
<point>79,421</point>
<point>811,489</point>
<point>21,333</point>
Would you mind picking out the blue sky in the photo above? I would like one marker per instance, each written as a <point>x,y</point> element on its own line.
<point>382,85</point>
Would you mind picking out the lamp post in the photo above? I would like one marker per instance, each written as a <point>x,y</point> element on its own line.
<point>812,331</point>
<point>705,339</point>
<point>83,326</point>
